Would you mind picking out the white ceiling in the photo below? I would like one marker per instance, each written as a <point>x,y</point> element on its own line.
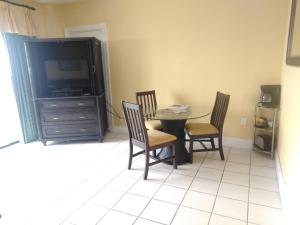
<point>57,1</point>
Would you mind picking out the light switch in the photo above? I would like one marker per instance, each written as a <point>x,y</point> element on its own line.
<point>243,121</point>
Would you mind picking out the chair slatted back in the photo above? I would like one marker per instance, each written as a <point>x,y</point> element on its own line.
<point>135,122</point>
<point>219,110</point>
<point>147,100</point>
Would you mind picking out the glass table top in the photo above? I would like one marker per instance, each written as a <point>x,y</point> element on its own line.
<point>177,112</point>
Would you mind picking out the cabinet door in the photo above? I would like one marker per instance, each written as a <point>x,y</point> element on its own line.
<point>97,58</point>
<point>38,80</point>
<point>61,67</point>
<point>102,114</point>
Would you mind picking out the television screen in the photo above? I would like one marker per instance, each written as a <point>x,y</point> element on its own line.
<point>66,70</point>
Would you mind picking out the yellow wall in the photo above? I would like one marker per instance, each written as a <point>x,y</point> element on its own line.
<point>289,139</point>
<point>54,21</point>
<point>296,35</point>
<point>49,18</point>
<point>187,50</point>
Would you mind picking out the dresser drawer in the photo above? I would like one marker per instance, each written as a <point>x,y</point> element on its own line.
<point>68,104</point>
<point>70,130</point>
<point>72,116</point>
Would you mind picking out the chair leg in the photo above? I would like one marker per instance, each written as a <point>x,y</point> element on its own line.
<point>212,141</point>
<point>191,150</point>
<point>146,165</point>
<point>221,147</point>
<point>154,153</point>
<point>174,154</point>
<point>130,155</point>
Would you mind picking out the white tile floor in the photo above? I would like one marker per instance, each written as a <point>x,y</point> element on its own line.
<point>88,184</point>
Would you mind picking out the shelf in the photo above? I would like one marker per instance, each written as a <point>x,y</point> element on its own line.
<point>265,128</point>
<point>267,107</point>
<point>262,149</point>
<point>268,116</point>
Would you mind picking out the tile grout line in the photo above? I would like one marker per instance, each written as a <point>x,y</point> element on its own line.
<point>209,194</point>
<point>212,210</point>
<point>83,181</point>
<point>120,169</point>
<point>187,189</point>
<point>126,192</point>
<point>231,218</point>
<point>83,204</point>
<point>248,205</point>
<point>194,177</point>
<point>161,184</point>
<point>111,208</point>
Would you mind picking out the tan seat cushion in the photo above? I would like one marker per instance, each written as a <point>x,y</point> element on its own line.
<point>157,137</point>
<point>197,129</point>
<point>153,125</point>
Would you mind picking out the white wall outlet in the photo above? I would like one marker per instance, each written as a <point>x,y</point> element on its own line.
<point>243,121</point>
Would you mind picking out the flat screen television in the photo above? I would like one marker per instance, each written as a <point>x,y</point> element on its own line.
<point>67,77</point>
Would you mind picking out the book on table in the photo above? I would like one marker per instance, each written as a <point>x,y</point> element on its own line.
<point>179,108</point>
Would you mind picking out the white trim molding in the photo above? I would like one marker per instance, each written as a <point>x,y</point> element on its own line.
<point>237,142</point>
<point>119,129</point>
<point>229,142</point>
<point>282,187</point>
<point>86,28</point>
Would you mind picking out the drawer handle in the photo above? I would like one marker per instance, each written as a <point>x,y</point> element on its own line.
<point>83,129</point>
<point>82,117</point>
<point>58,131</point>
<point>55,118</point>
<point>53,105</point>
<point>80,104</point>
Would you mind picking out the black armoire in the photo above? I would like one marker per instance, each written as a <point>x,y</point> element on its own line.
<point>68,88</point>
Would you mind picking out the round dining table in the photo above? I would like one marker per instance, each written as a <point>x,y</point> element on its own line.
<point>173,119</point>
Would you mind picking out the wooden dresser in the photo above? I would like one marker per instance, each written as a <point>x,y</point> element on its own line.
<point>72,118</point>
<point>68,88</point>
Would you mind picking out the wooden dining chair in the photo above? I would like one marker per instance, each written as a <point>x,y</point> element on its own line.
<point>206,132</point>
<point>148,140</point>
<point>147,100</point>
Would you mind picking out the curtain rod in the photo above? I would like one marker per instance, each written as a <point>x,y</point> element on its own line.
<point>17,4</point>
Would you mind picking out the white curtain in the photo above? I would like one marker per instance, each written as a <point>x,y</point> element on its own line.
<point>15,19</point>
<point>10,129</point>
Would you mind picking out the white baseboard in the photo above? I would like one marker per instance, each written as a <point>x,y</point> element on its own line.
<point>227,141</point>
<point>237,142</point>
<point>281,183</point>
<point>119,129</point>
<point>282,188</point>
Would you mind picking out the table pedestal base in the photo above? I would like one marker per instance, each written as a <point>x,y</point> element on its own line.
<point>176,128</point>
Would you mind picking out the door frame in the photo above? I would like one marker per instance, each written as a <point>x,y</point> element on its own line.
<point>105,57</point>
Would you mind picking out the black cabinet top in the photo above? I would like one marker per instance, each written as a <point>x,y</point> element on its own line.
<point>64,39</point>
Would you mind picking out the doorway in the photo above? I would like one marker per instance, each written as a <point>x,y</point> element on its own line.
<point>98,31</point>
<point>10,129</point>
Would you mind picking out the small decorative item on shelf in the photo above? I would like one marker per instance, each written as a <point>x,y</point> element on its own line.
<point>261,122</point>
<point>270,95</point>
<point>263,142</point>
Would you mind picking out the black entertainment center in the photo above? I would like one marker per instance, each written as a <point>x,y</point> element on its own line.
<point>68,88</point>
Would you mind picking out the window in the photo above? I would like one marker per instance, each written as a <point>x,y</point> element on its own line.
<point>10,131</point>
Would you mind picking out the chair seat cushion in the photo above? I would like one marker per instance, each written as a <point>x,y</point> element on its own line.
<point>153,125</point>
<point>198,129</point>
<point>158,138</point>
